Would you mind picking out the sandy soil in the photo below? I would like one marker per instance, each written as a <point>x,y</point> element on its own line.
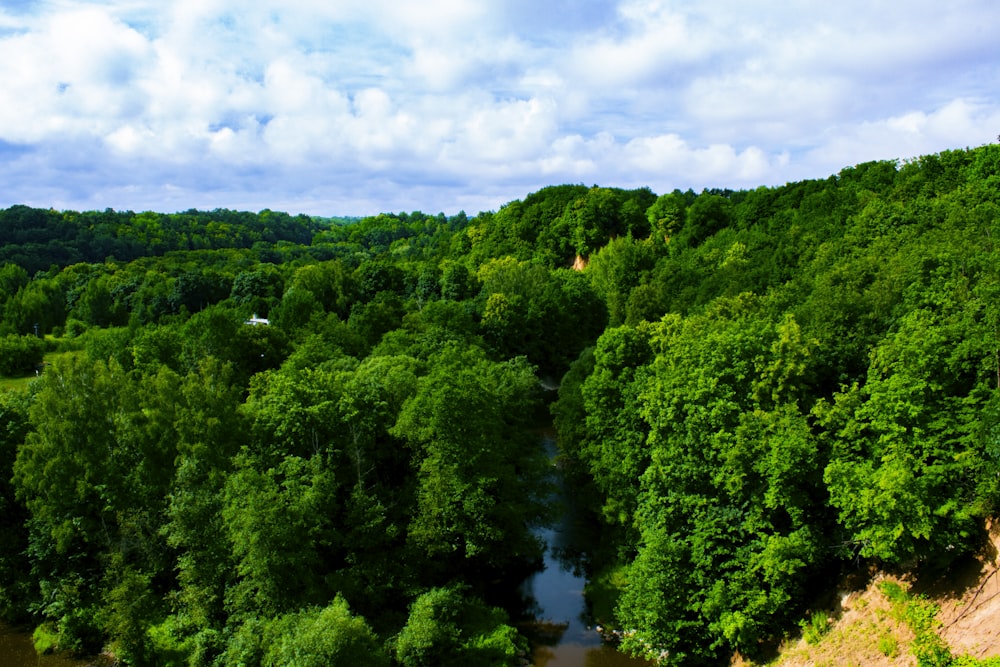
<point>864,632</point>
<point>971,619</point>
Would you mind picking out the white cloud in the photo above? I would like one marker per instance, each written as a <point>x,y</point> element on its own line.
<point>958,124</point>
<point>68,75</point>
<point>650,43</point>
<point>128,138</point>
<point>442,104</point>
<point>663,162</point>
<point>508,131</point>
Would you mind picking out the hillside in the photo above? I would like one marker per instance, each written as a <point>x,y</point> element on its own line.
<point>971,619</point>
<point>865,628</point>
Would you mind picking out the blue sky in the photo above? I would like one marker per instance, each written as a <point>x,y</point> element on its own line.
<point>344,107</point>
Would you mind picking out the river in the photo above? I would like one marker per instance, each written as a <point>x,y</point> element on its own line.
<point>557,619</point>
<point>16,650</point>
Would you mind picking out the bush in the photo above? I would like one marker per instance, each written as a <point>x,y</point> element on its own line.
<point>169,645</point>
<point>446,628</point>
<point>969,661</point>
<point>74,328</point>
<point>19,355</point>
<point>920,615</point>
<point>328,637</point>
<point>888,646</point>
<point>46,639</point>
<point>815,627</point>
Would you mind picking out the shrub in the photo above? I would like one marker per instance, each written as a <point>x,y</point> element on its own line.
<point>46,639</point>
<point>888,646</point>
<point>815,627</point>
<point>19,355</point>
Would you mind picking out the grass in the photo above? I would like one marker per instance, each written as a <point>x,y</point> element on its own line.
<point>21,383</point>
<point>602,594</point>
<point>15,384</point>
<point>888,646</point>
<point>862,632</point>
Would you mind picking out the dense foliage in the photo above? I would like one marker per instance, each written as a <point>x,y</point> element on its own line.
<point>758,389</point>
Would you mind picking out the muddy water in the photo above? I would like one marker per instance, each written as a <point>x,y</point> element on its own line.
<point>559,624</point>
<point>16,650</point>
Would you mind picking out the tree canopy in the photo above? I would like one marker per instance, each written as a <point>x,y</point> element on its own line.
<point>756,389</point>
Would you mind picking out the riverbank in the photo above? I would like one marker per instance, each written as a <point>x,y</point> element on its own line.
<point>17,650</point>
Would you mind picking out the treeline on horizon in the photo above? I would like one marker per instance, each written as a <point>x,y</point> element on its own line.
<point>759,390</point>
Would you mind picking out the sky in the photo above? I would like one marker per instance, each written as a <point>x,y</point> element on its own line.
<point>355,107</point>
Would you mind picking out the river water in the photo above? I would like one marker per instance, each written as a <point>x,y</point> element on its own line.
<point>16,650</point>
<point>557,619</point>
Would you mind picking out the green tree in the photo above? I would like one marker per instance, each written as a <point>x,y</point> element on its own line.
<point>330,636</point>
<point>94,473</point>
<point>904,472</point>
<point>96,305</point>
<point>373,319</point>
<point>616,269</point>
<point>534,228</point>
<point>449,627</point>
<point>338,415</point>
<point>316,635</point>
<point>480,472</point>
<point>220,331</point>
<point>330,284</point>
<point>707,215</point>
<point>16,590</point>
<point>210,429</point>
<point>279,524</point>
<point>667,214</point>
<point>12,278</point>
<point>614,449</point>
<point>730,528</point>
<point>297,308</point>
<point>457,284</point>
<point>20,355</point>
<point>374,276</point>
<point>258,290</point>
<point>548,316</point>
<point>40,303</point>
<point>597,217</point>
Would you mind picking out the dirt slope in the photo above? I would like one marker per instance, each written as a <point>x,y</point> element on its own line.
<point>864,631</point>
<point>971,619</point>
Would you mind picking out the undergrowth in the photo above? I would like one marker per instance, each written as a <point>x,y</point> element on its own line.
<point>920,615</point>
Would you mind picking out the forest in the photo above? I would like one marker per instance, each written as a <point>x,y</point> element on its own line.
<point>757,391</point>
